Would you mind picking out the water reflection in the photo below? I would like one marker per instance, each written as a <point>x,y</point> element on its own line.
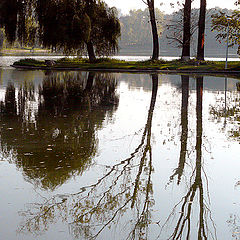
<point>126,186</point>
<point>184,123</point>
<point>229,113</point>
<point>58,140</point>
<point>58,128</point>
<point>187,219</point>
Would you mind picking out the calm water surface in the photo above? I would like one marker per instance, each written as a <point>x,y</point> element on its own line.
<point>118,156</point>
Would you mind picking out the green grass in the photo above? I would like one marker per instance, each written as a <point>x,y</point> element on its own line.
<point>107,63</point>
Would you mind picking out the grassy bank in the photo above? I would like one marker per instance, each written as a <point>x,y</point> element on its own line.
<point>114,64</point>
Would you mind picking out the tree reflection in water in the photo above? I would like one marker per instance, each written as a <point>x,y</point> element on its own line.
<point>125,187</point>
<point>55,138</point>
<point>230,112</point>
<point>184,224</point>
<point>184,123</point>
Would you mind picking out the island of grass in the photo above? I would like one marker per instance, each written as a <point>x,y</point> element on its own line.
<point>109,64</point>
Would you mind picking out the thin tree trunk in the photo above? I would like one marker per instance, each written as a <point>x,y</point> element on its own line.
<point>155,53</point>
<point>184,124</point>
<point>186,30</point>
<point>90,79</point>
<point>201,30</point>
<point>90,51</point>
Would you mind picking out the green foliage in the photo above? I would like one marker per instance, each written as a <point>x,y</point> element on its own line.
<point>69,25</point>
<point>65,25</point>
<point>222,23</point>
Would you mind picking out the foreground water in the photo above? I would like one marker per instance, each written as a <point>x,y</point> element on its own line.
<point>118,156</point>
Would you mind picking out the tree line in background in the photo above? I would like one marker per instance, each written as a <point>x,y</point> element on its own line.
<point>90,26</point>
<point>135,28</point>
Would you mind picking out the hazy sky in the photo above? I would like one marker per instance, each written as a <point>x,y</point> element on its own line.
<point>126,5</point>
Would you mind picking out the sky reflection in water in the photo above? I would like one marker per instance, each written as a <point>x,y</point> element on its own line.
<point>118,156</point>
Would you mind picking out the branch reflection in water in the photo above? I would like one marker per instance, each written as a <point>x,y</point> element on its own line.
<point>186,218</point>
<point>228,112</point>
<point>126,186</point>
<point>55,139</point>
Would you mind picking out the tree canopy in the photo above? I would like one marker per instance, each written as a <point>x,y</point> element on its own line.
<point>69,25</point>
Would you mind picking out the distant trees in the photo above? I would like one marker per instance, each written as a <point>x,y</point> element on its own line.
<point>68,25</point>
<point>135,28</point>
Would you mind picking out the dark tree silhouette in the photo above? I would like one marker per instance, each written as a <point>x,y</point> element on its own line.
<point>151,8</point>
<point>62,141</point>
<point>67,25</point>
<point>186,30</point>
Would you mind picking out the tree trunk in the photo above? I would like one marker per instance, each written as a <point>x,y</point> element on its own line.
<point>186,30</point>
<point>155,53</point>
<point>201,30</point>
<point>90,51</point>
<point>90,79</point>
<point>184,123</point>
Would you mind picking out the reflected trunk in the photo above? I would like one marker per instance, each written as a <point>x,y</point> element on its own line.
<point>9,106</point>
<point>186,216</point>
<point>184,124</point>
<point>90,79</point>
<point>126,186</point>
<point>148,133</point>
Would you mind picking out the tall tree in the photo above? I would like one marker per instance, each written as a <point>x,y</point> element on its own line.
<point>201,30</point>
<point>174,27</point>
<point>150,4</point>
<point>186,30</point>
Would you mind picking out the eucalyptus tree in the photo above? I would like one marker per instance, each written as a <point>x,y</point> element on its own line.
<point>201,30</point>
<point>151,8</point>
<point>186,30</point>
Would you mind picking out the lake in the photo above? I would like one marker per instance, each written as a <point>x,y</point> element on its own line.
<point>118,156</point>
